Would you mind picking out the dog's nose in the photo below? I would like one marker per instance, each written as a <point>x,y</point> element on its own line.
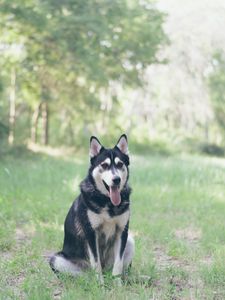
<point>116,180</point>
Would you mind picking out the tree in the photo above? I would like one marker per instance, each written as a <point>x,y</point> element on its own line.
<point>72,50</point>
<point>217,88</point>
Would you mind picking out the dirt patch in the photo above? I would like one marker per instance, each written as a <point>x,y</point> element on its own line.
<point>6,255</point>
<point>190,281</point>
<point>15,283</point>
<point>24,234</point>
<point>207,260</point>
<point>58,287</point>
<point>20,237</point>
<point>164,261</point>
<point>189,234</point>
<point>57,294</point>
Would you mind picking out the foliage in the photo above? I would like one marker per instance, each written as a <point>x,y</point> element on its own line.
<point>70,52</point>
<point>106,67</point>
<point>217,88</point>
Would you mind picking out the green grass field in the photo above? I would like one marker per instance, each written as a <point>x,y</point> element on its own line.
<point>178,220</point>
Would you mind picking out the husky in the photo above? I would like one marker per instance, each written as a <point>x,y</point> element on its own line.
<point>96,227</point>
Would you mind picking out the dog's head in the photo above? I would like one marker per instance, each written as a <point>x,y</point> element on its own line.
<point>109,167</point>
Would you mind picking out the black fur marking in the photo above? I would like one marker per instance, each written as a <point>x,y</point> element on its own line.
<point>106,185</point>
<point>124,240</point>
<point>52,264</point>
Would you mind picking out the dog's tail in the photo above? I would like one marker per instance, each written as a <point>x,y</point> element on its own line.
<point>59,263</point>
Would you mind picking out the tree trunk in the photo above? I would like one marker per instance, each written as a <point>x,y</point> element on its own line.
<point>34,123</point>
<point>206,131</point>
<point>12,107</point>
<point>44,114</point>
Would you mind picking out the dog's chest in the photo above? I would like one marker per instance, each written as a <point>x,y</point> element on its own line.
<point>103,223</point>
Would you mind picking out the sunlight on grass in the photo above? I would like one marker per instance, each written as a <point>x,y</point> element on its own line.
<point>51,151</point>
<point>60,152</point>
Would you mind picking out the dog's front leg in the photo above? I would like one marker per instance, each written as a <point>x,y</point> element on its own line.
<point>94,256</point>
<point>119,248</point>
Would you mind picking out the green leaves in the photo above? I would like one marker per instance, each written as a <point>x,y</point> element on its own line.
<point>73,50</point>
<point>216,83</point>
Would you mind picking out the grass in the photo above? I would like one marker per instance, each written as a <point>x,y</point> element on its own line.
<point>178,209</point>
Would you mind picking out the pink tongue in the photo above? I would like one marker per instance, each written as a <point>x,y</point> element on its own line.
<point>114,195</point>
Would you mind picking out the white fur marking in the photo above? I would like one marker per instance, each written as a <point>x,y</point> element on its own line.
<point>122,173</point>
<point>122,263</point>
<point>108,176</point>
<point>107,161</point>
<point>116,160</point>
<point>129,251</point>
<point>98,180</point>
<point>108,223</point>
<point>118,262</point>
<point>91,258</point>
<point>63,265</point>
<point>96,265</point>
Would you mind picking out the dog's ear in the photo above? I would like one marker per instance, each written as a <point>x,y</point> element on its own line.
<point>122,144</point>
<point>95,146</point>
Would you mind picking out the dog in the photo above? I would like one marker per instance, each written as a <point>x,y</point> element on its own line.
<point>96,227</point>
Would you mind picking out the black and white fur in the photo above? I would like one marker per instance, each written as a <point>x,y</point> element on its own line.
<point>96,226</point>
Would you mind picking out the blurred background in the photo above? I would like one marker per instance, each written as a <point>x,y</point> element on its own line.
<point>152,69</point>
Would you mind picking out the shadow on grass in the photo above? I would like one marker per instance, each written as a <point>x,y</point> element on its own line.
<point>212,150</point>
<point>151,148</point>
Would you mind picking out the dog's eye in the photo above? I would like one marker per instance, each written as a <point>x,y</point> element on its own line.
<point>104,166</point>
<point>119,165</point>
